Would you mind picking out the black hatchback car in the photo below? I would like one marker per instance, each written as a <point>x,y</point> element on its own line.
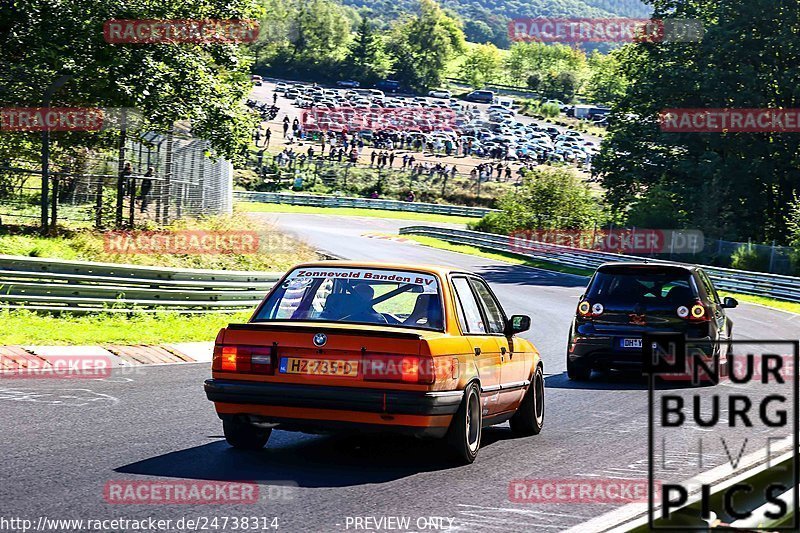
<point>625,300</point>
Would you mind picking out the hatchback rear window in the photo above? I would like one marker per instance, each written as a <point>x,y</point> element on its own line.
<point>357,296</point>
<point>650,287</point>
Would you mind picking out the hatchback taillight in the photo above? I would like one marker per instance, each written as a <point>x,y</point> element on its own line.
<point>587,310</point>
<point>699,313</point>
<point>696,313</point>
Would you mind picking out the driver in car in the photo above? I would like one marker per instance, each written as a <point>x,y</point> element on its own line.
<point>363,294</point>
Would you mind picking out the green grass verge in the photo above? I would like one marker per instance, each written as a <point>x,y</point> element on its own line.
<point>255,207</point>
<point>276,251</point>
<point>499,256</point>
<point>792,307</point>
<point>22,327</point>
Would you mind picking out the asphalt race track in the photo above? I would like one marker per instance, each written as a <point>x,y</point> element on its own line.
<point>63,440</point>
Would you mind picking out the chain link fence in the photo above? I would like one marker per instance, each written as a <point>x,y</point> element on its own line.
<point>151,179</point>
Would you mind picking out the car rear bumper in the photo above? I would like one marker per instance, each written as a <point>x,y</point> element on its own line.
<point>604,352</point>
<point>319,408</point>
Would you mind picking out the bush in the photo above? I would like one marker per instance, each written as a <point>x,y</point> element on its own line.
<point>549,198</point>
<point>746,257</point>
<point>549,110</point>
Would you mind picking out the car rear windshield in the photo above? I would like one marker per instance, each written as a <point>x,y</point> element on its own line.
<point>651,287</point>
<point>357,296</point>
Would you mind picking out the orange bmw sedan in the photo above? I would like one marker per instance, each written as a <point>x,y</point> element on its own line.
<point>344,346</point>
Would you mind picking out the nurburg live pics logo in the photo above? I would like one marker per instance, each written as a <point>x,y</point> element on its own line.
<point>728,415</point>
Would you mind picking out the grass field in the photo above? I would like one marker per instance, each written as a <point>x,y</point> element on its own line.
<point>29,328</point>
<point>276,251</point>
<point>255,207</point>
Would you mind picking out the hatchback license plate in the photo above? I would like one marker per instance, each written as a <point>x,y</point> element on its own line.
<point>631,343</point>
<point>318,367</point>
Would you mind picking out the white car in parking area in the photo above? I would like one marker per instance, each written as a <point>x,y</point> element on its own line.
<point>440,93</point>
<point>498,109</point>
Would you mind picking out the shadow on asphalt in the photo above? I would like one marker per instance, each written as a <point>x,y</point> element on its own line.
<point>520,275</point>
<point>613,381</point>
<point>309,460</point>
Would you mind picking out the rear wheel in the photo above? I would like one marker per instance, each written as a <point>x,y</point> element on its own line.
<point>529,418</point>
<point>243,435</point>
<point>578,372</point>
<point>464,435</point>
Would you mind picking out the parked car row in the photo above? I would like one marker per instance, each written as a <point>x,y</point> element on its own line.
<point>490,132</point>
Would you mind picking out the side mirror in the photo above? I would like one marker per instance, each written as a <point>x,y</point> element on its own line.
<point>730,303</point>
<point>518,324</point>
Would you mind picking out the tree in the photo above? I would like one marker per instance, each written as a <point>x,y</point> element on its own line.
<point>41,40</point>
<point>477,31</point>
<point>606,82</point>
<point>736,186</point>
<point>534,81</point>
<point>421,46</point>
<point>304,38</point>
<point>481,65</point>
<point>366,58</point>
<point>321,27</point>
<point>525,59</point>
<point>559,85</point>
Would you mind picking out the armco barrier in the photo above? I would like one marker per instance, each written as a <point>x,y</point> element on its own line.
<point>83,287</point>
<point>739,281</point>
<point>364,203</point>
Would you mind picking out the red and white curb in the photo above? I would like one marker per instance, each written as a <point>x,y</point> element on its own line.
<point>16,359</point>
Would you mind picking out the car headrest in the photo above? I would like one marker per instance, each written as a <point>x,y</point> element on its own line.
<point>680,294</point>
<point>335,306</point>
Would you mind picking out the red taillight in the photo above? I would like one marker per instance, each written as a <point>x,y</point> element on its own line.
<point>587,310</point>
<point>252,359</point>
<point>699,313</point>
<point>402,368</point>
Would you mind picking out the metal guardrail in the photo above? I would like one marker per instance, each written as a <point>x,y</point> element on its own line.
<point>83,287</point>
<point>739,281</point>
<point>365,203</point>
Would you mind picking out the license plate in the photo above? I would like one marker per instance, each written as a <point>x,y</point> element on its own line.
<point>318,367</point>
<point>631,343</point>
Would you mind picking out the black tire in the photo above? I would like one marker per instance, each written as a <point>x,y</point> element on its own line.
<point>529,418</point>
<point>464,435</point>
<point>244,436</point>
<point>578,372</point>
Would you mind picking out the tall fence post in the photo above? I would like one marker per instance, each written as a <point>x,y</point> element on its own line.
<point>48,95</point>
<point>120,177</point>
<point>772,256</point>
<point>132,211</point>
<point>45,173</point>
<point>98,204</point>
<point>54,204</point>
<point>167,177</point>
